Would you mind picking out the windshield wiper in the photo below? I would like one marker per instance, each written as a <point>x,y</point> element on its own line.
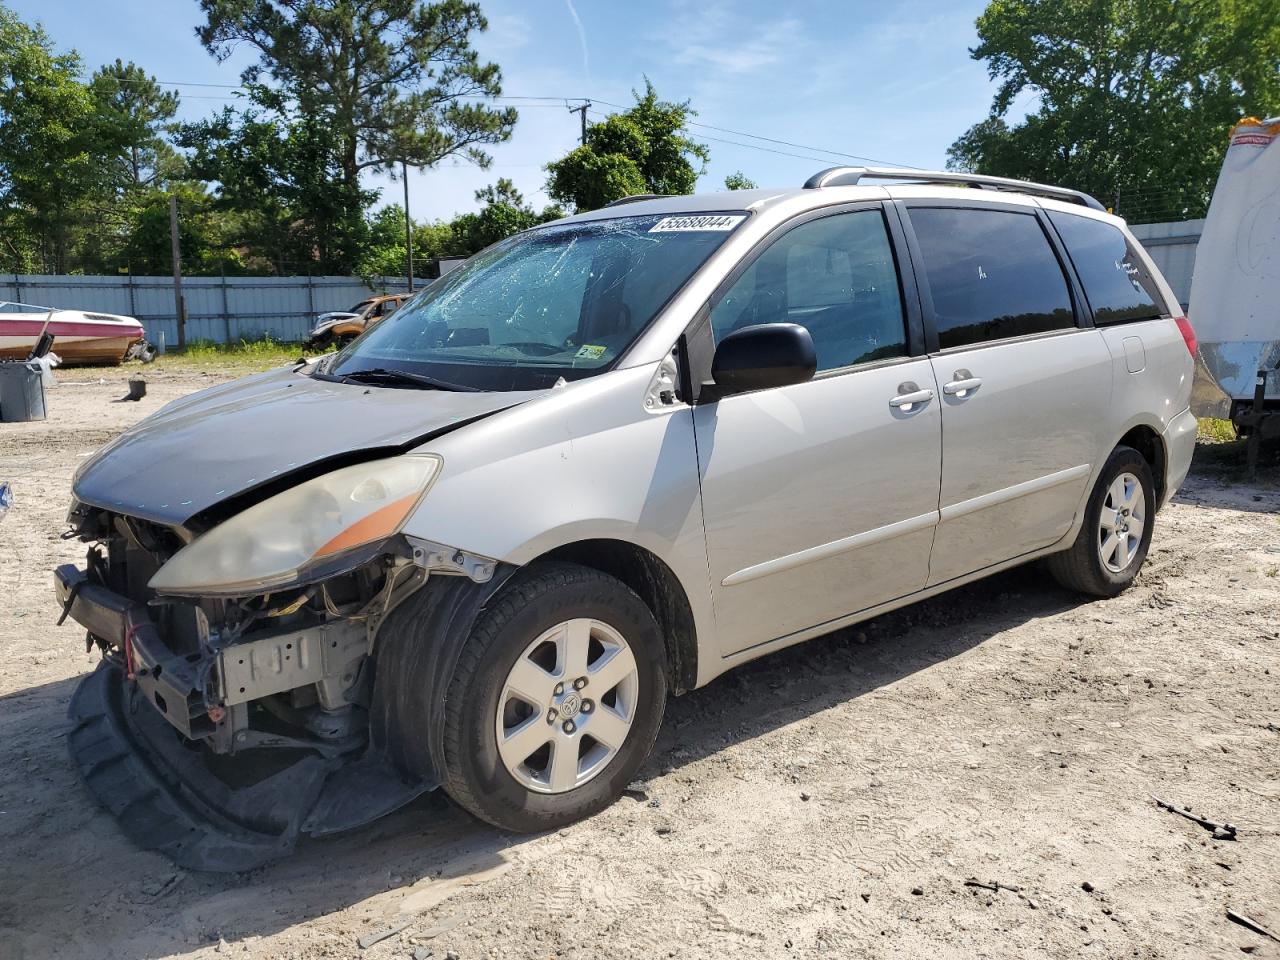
<point>404,378</point>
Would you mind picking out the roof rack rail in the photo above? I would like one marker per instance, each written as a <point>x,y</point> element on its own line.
<point>851,176</point>
<point>635,198</point>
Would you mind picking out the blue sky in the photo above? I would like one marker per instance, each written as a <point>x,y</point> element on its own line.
<point>891,82</point>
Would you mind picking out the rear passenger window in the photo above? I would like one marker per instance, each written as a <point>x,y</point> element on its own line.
<point>836,277</point>
<point>1117,283</point>
<point>992,275</point>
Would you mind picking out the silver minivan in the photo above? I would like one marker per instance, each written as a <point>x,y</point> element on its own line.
<point>605,461</point>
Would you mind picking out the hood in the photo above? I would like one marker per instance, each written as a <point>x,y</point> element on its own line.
<point>332,315</point>
<point>252,434</point>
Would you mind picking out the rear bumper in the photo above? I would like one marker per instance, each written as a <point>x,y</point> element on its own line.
<point>1180,447</point>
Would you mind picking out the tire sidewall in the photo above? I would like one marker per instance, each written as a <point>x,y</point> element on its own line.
<point>1122,460</point>
<point>502,798</point>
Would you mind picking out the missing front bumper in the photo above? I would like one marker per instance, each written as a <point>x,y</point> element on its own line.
<point>162,740</point>
<point>175,800</point>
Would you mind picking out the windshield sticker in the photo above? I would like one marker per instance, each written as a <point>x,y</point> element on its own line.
<point>719,222</point>
<point>590,351</point>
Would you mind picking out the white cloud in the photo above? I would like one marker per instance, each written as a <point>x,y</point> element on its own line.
<point>720,38</point>
<point>507,32</point>
<point>582,39</point>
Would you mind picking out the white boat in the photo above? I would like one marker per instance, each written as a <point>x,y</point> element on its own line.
<point>79,336</point>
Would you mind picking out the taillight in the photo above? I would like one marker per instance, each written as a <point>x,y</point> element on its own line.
<point>1188,334</point>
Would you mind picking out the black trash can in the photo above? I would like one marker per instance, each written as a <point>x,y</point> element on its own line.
<point>21,392</point>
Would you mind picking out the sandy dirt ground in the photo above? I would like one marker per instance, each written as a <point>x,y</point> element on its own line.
<point>830,800</point>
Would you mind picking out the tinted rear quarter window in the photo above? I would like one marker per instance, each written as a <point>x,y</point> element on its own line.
<point>992,275</point>
<point>1116,282</point>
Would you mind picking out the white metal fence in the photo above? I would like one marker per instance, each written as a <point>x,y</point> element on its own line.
<point>219,309</point>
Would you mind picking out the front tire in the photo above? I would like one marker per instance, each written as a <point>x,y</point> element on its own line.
<point>556,699</point>
<point>1116,534</point>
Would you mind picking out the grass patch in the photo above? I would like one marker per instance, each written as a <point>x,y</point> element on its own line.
<point>1212,430</point>
<point>242,356</point>
<point>237,359</point>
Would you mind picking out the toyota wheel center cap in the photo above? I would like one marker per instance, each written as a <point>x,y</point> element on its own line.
<point>570,706</point>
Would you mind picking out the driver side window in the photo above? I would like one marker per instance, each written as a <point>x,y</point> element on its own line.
<point>834,276</point>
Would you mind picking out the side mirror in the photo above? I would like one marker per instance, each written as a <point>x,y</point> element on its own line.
<point>762,356</point>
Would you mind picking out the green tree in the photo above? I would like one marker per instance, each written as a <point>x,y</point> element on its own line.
<point>643,150</point>
<point>391,80</point>
<point>136,118</point>
<point>207,235</point>
<point>1133,97</point>
<point>279,179</point>
<point>504,213</point>
<point>384,253</point>
<point>49,170</point>
<point>739,181</point>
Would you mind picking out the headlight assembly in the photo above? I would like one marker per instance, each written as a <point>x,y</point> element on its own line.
<point>272,542</point>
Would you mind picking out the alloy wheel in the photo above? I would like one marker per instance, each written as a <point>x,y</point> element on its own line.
<point>567,706</point>
<point>1120,525</point>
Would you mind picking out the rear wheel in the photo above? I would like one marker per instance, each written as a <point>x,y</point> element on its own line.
<point>556,700</point>
<point>1113,541</point>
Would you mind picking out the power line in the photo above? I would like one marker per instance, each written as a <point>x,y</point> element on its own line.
<point>784,143</point>
<point>531,101</point>
<point>749,146</point>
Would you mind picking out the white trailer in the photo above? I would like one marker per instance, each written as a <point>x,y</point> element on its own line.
<point>1235,294</point>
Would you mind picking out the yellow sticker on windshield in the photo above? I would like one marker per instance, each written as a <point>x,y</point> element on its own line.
<point>590,351</point>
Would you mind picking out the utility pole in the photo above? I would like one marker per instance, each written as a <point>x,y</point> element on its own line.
<point>582,112</point>
<point>408,224</point>
<point>176,250</point>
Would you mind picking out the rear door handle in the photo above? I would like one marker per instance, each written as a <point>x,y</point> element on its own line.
<point>910,394</point>
<point>962,383</point>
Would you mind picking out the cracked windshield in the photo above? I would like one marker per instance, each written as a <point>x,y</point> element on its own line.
<point>562,301</point>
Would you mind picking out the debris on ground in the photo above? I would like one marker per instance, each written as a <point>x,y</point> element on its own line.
<point>1220,831</point>
<point>1251,924</point>
<point>995,886</point>
<point>369,939</point>
<point>137,390</point>
<point>155,888</point>
<point>6,498</point>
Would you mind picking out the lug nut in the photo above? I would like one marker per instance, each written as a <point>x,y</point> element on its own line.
<point>570,726</point>
<point>579,683</point>
<point>559,689</point>
<point>587,706</point>
<point>552,714</point>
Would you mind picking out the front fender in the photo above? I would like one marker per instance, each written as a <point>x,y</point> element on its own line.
<point>585,462</point>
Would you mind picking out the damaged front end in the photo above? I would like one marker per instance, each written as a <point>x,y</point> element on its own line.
<point>220,727</point>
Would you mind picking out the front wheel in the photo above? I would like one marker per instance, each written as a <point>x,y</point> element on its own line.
<point>556,700</point>
<point>1113,541</point>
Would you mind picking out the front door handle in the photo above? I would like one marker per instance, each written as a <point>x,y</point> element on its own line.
<point>909,395</point>
<point>962,384</point>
